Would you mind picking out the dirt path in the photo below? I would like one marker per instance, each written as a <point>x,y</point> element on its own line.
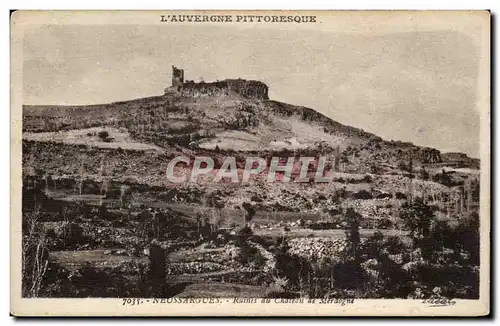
<point>223,290</point>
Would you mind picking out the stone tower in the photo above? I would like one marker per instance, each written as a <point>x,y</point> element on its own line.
<point>177,78</point>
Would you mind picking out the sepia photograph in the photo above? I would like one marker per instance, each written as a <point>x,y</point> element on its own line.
<point>250,162</point>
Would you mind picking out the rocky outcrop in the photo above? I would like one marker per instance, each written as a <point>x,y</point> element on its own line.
<point>456,157</point>
<point>429,155</point>
<point>461,160</point>
<point>318,248</point>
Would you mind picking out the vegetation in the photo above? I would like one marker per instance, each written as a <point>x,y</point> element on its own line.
<point>35,256</point>
<point>102,221</point>
<point>440,256</point>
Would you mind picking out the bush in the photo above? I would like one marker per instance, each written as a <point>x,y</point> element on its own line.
<point>323,225</point>
<point>402,166</point>
<point>417,217</point>
<point>400,195</point>
<point>367,178</point>
<point>103,134</point>
<point>445,178</point>
<point>292,267</point>
<point>384,223</point>
<point>249,255</point>
<point>362,194</point>
<point>424,175</point>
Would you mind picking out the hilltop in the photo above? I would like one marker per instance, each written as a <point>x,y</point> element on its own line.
<point>141,136</point>
<point>230,115</point>
<point>132,142</point>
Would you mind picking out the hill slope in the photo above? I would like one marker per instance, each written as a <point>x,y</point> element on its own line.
<point>228,122</point>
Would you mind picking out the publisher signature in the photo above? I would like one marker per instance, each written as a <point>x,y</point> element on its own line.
<point>439,302</point>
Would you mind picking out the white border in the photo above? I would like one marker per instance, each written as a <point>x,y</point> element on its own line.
<point>145,4</point>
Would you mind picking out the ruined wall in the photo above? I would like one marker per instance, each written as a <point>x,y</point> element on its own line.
<point>245,88</point>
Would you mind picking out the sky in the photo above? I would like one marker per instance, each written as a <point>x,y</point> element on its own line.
<point>419,86</point>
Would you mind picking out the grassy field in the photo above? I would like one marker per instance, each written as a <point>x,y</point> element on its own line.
<point>89,136</point>
<point>76,259</point>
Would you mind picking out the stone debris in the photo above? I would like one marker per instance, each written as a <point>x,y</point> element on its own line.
<point>317,248</point>
<point>194,267</point>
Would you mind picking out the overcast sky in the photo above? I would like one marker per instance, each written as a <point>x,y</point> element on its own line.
<point>411,86</point>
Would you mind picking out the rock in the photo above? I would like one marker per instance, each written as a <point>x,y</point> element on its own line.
<point>254,226</point>
<point>316,248</point>
<point>437,291</point>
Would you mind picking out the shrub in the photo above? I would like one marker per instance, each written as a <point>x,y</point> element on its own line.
<point>417,217</point>
<point>367,178</point>
<point>249,255</point>
<point>424,175</point>
<point>384,224</point>
<point>445,178</point>
<point>362,194</point>
<point>249,211</point>
<point>353,220</point>
<point>323,225</point>
<point>400,195</point>
<point>103,134</point>
<point>402,166</point>
<point>375,169</point>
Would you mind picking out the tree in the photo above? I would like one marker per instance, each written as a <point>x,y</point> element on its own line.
<point>157,269</point>
<point>34,254</point>
<point>387,279</point>
<point>417,217</point>
<point>249,212</point>
<point>352,233</point>
<point>348,272</point>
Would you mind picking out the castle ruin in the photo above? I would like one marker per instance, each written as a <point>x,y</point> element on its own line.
<point>246,88</point>
<point>177,78</point>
